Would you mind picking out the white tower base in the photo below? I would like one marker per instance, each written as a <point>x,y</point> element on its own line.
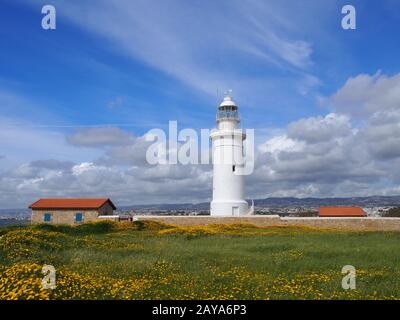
<point>229,208</point>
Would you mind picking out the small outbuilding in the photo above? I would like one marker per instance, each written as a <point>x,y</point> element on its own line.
<point>70,211</point>
<point>341,212</point>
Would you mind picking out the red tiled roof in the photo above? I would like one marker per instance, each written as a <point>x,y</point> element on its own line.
<point>71,203</point>
<point>341,212</point>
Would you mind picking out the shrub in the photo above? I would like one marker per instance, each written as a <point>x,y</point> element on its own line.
<point>19,244</point>
<point>97,227</point>
<point>305,214</point>
<point>54,228</point>
<point>189,232</point>
<point>142,225</point>
<point>394,212</point>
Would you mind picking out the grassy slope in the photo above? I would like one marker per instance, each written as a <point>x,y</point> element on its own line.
<point>154,261</point>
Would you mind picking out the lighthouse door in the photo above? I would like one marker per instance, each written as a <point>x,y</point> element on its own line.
<point>235,211</point>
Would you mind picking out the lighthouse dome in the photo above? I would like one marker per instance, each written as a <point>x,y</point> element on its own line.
<point>228,102</point>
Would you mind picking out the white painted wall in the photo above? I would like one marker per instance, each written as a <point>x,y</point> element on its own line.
<point>228,187</point>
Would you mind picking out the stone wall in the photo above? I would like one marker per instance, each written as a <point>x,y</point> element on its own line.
<point>342,223</point>
<point>206,220</point>
<point>63,216</point>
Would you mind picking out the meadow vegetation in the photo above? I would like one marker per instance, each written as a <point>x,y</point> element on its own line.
<point>150,260</point>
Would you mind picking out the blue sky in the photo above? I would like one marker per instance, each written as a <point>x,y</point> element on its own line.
<point>73,73</point>
<point>135,65</point>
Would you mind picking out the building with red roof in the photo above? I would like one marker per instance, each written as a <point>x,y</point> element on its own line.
<point>341,212</point>
<point>70,211</point>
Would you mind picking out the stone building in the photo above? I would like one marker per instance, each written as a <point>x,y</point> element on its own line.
<point>70,211</point>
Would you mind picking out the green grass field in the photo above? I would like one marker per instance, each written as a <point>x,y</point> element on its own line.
<point>148,260</point>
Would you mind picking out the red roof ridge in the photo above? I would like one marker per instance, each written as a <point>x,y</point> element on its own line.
<point>71,203</point>
<point>341,211</point>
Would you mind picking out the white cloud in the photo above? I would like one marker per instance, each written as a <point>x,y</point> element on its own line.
<point>199,44</point>
<point>364,94</point>
<point>280,143</point>
<point>102,136</point>
<point>25,171</point>
<point>383,134</point>
<point>319,129</point>
<point>120,172</point>
<point>327,156</point>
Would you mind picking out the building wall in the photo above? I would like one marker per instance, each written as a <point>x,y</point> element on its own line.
<point>68,216</point>
<point>106,209</point>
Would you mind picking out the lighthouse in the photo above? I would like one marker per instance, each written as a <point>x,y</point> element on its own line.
<point>227,148</point>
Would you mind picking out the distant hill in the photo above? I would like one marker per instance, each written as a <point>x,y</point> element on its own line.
<point>168,206</point>
<point>372,201</point>
<point>15,213</point>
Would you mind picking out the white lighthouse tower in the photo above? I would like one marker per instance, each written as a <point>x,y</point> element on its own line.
<point>227,147</point>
